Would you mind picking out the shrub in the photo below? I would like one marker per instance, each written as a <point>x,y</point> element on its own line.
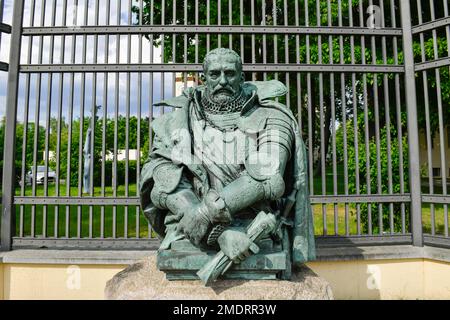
<point>373,170</point>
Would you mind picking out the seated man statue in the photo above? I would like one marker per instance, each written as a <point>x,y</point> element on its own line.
<point>227,154</point>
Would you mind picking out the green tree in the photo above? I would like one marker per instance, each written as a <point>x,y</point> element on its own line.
<point>359,166</point>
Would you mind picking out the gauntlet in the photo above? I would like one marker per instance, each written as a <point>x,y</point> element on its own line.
<point>198,221</point>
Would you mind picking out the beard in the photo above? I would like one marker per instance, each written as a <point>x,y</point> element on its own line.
<point>222,95</point>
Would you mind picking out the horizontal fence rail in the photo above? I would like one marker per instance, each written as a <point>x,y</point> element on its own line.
<point>179,67</point>
<point>198,29</point>
<point>368,89</point>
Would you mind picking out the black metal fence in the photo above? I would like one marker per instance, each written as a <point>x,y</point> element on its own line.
<point>369,83</point>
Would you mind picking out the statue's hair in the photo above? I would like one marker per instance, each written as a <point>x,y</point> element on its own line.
<point>222,51</point>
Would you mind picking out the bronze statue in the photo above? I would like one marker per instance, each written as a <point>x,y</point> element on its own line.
<point>225,185</point>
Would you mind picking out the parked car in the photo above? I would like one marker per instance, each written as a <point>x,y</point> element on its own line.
<point>40,175</point>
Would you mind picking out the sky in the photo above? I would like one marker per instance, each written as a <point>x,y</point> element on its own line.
<point>75,17</point>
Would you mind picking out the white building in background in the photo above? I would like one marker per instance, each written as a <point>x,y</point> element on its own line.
<point>51,155</point>
<point>435,151</point>
<point>183,80</point>
<point>121,155</point>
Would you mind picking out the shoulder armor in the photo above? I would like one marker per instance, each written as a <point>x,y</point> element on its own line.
<point>266,89</point>
<point>257,119</point>
<point>166,123</point>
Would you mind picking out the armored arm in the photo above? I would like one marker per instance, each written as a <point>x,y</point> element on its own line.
<point>262,180</point>
<point>172,190</point>
<point>265,165</point>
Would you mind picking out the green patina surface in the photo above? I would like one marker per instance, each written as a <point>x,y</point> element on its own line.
<point>184,260</point>
<point>225,185</point>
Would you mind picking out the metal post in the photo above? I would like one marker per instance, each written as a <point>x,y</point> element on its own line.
<point>9,176</point>
<point>1,20</point>
<point>413,136</point>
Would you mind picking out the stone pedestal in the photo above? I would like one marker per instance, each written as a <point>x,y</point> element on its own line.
<point>143,281</point>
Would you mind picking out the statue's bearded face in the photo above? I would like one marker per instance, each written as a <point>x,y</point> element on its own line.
<point>223,76</point>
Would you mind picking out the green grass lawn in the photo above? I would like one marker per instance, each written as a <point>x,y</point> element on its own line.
<point>330,217</point>
<point>79,215</point>
<point>137,224</point>
<point>340,183</point>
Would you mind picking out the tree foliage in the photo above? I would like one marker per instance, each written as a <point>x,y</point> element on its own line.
<point>76,158</point>
<point>387,161</point>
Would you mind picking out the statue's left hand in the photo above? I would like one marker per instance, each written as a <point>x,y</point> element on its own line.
<point>236,245</point>
<point>194,225</point>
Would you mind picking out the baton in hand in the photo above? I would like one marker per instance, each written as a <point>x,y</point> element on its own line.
<point>261,226</point>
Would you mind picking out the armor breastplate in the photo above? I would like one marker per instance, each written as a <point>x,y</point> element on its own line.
<point>221,151</point>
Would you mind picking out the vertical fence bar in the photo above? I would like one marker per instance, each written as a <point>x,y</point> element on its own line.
<point>25,127</point>
<point>441,128</point>
<point>297,60</point>
<point>36,124</point>
<point>81,124</point>
<point>127,126</point>
<point>174,43</point>
<point>388,121</point>
<point>185,50</point>
<point>444,182</point>
<point>163,40</point>
<point>275,37</point>
<point>150,82</point>
<point>219,22</point>
<point>230,22</point>
<point>333,123</point>
<point>71,105</point>
<point>93,121</point>
<point>150,96</point>
<point>429,142</point>
<point>366,131</point>
<point>413,130</point>
<point>241,21</point>
<point>208,21</point>
<point>264,38</point>
<point>344,104</point>
<point>58,134</point>
<point>105,114</point>
<point>1,19</point>
<point>398,118</point>
<point>310,106</point>
<point>116,115</point>
<point>377,128</point>
<point>252,19</point>
<point>196,38</point>
<point>440,121</point>
<point>286,54</point>
<point>355,123</point>
<point>47,131</point>
<point>139,115</point>
<point>9,178</point>
<point>322,124</point>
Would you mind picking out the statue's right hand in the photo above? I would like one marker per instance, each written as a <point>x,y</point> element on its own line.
<point>193,225</point>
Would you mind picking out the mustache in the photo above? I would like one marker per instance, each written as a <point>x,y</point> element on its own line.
<point>219,88</point>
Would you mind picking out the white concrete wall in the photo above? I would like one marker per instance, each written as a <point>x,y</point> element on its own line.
<point>356,279</point>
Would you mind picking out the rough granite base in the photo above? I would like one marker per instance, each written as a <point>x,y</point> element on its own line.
<point>143,281</point>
